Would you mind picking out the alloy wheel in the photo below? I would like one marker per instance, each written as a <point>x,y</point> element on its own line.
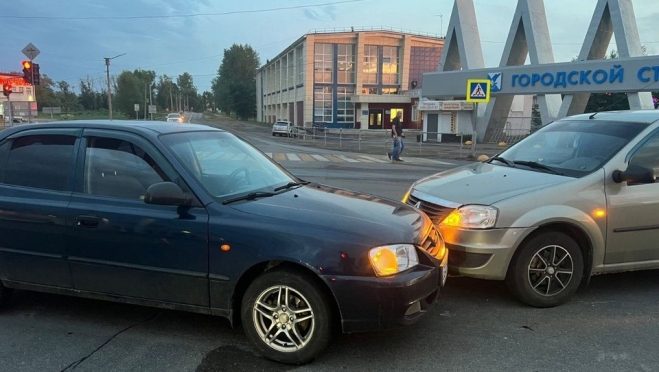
<point>550,270</point>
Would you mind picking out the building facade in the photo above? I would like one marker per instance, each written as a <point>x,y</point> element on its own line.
<point>347,79</point>
<point>22,97</point>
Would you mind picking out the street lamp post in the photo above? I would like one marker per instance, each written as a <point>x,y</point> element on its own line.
<point>107,70</point>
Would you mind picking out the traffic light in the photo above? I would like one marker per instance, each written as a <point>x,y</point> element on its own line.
<point>37,77</point>
<point>27,71</point>
<point>6,89</point>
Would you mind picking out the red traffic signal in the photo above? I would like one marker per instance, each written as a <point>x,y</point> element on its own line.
<point>6,89</point>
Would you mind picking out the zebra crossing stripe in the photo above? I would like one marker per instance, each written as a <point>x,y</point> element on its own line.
<point>280,157</point>
<point>333,158</point>
<point>349,160</point>
<point>319,158</point>
<point>269,154</point>
<point>293,157</point>
<point>374,159</point>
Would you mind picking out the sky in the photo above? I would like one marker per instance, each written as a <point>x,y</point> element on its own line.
<point>176,36</point>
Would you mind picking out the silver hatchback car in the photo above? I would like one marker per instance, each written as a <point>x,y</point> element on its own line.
<point>577,198</point>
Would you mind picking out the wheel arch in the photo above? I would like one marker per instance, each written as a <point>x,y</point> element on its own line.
<point>256,270</point>
<point>575,232</point>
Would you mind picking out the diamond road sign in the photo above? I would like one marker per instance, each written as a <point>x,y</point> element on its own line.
<point>478,90</point>
<point>31,52</point>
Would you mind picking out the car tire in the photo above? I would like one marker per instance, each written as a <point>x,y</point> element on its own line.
<point>547,270</point>
<point>295,341</point>
<point>273,134</point>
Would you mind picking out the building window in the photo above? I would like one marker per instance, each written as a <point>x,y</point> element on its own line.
<point>345,109</point>
<point>323,108</point>
<point>390,61</point>
<point>346,64</point>
<point>415,112</point>
<point>323,63</point>
<point>369,90</point>
<point>389,90</point>
<point>370,65</point>
<point>423,59</point>
<point>300,65</point>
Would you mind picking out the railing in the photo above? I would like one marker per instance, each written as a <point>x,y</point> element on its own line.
<point>357,139</point>
<point>509,136</point>
<point>360,29</point>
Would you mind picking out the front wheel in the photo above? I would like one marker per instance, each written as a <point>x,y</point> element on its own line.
<point>547,271</point>
<point>286,316</point>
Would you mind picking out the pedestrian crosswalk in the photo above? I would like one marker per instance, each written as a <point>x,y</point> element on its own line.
<point>350,158</point>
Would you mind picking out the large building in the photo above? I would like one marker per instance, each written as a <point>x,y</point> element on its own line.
<point>347,78</point>
<point>22,97</point>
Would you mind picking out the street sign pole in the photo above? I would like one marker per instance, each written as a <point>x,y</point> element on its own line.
<point>11,112</point>
<point>31,52</point>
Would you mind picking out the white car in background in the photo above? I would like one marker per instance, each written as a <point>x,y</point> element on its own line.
<point>284,128</point>
<point>175,117</point>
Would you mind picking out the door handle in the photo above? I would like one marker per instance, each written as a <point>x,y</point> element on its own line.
<point>88,221</point>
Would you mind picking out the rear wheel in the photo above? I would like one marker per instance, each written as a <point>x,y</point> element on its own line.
<point>286,316</point>
<point>547,271</point>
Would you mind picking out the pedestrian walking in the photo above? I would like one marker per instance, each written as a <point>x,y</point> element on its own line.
<point>397,135</point>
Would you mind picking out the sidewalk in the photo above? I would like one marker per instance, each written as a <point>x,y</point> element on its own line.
<point>360,141</point>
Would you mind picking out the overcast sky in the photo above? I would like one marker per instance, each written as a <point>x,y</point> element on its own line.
<point>156,38</point>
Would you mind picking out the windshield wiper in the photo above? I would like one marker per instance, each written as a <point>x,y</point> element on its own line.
<point>502,160</point>
<point>290,185</point>
<point>536,165</point>
<point>250,196</point>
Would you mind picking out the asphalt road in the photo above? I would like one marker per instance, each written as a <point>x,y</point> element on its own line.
<point>612,325</point>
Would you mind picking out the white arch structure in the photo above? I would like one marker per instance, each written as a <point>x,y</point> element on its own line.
<point>529,37</point>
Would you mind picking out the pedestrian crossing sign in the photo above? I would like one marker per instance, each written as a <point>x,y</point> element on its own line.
<point>478,90</point>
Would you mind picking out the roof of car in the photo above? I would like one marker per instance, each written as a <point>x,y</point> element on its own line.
<point>630,116</point>
<point>144,127</point>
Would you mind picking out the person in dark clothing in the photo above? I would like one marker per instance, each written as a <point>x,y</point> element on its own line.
<point>397,135</point>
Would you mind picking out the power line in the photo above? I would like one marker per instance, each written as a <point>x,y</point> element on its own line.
<point>186,15</point>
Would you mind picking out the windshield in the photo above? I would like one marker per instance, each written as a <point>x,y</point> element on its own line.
<point>226,166</point>
<point>173,116</point>
<point>571,148</point>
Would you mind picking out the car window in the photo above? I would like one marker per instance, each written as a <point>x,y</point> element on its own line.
<point>119,168</point>
<point>573,148</point>
<point>40,161</point>
<point>648,154</point>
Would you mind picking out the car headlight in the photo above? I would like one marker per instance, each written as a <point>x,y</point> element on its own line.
<point>472,217</point>
<point>393,259</point>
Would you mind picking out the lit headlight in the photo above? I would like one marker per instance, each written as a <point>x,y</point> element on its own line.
<point>472,217</point>
<point>392,259</point>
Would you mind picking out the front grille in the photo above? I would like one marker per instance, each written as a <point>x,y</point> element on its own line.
<point>437,213</point>
<point>433,243</point>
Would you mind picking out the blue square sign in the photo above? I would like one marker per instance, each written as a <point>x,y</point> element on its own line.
<point>478,90</point>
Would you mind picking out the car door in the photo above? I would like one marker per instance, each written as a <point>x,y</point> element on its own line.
<point>123,246</point>
<point>36,182</point>
<point>633,211</point>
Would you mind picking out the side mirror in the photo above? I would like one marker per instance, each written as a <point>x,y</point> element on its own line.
<point>634,174</point>
<point>166,193</point>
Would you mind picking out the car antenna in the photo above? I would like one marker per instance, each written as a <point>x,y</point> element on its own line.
<point>593,116</point>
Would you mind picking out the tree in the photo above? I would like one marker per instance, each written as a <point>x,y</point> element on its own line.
<point>66,97</point>
<point>234,88</point>
<point>45,93</point>
<point>165,93</point>
<point>188,90</point>
<point>130,90</point>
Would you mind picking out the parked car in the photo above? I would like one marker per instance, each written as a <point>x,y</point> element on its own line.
<point>193,218</point>
<point>175,118</point>
<point>577,198</point>
<point>284,128</point>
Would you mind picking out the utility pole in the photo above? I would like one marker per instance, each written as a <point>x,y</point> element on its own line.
<point>171,98</point>
<point>146,108</point>
<point>150,101</point>
<point>107,70</point>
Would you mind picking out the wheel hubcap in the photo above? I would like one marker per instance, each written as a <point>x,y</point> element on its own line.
<point>283,319</point>
<point>550,270</point>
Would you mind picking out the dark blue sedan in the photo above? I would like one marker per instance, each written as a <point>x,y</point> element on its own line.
<point>192,218</point>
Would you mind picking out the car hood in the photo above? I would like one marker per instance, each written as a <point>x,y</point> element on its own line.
<point>486,184</point>
<point>363,218</point>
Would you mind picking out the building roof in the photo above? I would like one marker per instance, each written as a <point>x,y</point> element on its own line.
<point>350,30</point>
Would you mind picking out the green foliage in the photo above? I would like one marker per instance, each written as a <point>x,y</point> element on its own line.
<point>130,90</point>
<point>234,88</point>
<point>187,88</point>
